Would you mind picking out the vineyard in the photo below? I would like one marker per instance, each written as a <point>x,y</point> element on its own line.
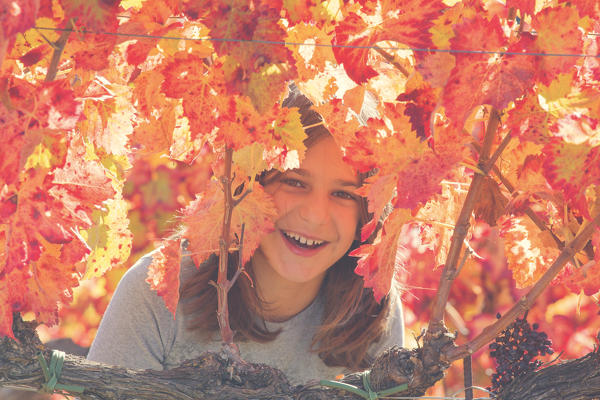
<point>124,122</point>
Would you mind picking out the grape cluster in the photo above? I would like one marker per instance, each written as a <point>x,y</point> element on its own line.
<point>515,350</point>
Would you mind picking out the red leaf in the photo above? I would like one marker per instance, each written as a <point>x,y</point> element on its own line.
<point>355,33</point>
<point>377,263</point>
<point>488,79</point>
<point>529,120</point>
<point>6,310</point>
<point>435,67</point>
<point>16,17</point>
<point>80,186</point>
<point>526,6</point>
<point>163,273</point>
<point>94,52</point>
<point>570,169</point>
<point>420,103</point>
<point>408,25</point>
<point>96,15</point>
<point>35,55</point>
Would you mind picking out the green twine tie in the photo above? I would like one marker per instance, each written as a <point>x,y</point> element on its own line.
<point>52,374</point>
<point>368,393</point>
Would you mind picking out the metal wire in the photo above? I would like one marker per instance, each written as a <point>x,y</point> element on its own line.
<point>280,43</point>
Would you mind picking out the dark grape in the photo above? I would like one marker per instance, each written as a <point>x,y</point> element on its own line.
<point>515,350</point>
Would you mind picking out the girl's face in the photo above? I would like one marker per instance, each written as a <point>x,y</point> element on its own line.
<point>318,217</point>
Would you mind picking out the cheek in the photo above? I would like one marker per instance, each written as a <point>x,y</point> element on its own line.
<point>283,203</point>
<point>351,226</point>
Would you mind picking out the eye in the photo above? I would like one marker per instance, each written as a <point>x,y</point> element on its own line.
<point>345,195</point>
<point>292,182</point>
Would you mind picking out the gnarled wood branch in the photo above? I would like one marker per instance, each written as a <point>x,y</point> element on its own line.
<point>212,376</point>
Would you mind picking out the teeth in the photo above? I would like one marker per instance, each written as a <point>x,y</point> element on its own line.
<point>303,240</point>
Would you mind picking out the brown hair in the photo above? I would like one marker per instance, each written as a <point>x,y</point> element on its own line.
<point>352,319</point>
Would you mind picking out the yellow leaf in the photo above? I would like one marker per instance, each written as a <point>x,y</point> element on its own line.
<point>560,87</point>
<point>267,85</point>
<point>292,133</point>
<point>109,238</point>
<point>135,4</point>
<point>250,159</point>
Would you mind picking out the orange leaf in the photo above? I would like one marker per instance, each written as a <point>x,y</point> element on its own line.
<point>204,217</point>
<point>163,273</point>
<point>558,31</point>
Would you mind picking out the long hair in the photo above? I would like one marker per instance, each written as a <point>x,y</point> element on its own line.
<point>352,319</point>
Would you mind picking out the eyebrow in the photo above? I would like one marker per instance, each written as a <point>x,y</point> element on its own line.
<point>342,182</point>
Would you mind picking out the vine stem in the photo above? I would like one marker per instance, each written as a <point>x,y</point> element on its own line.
<point>527,301</point>
<point>436,324</point>
<point>224,284</point>
<point>59,46</point>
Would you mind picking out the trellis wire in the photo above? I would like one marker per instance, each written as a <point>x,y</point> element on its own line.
<point>273,42</point>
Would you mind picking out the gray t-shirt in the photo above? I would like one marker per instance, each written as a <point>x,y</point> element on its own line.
<point>137,331</point>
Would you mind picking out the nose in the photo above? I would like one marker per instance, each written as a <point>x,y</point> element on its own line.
<point>315,208</point>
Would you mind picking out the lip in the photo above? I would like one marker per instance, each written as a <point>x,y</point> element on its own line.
<point>300,250</point>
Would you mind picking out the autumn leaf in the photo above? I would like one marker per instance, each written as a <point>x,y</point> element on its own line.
<point>16,17</point>
<point>355,32</point>
<point>338,120</point>
<point>80,185</point>
<point>50,283</point>
<point>408,25</point>
<point>288,128</point>
<point>109,119</point>
<point>163,273</point>
<point>257,213</point>
<point>186,77</point>
<point>435,67</point>
<point>33,56</point>
<point>203,219</point>
<point>379,191</point>
<point>267,85</point>
<point>420,103</point>
<point>97,15</point>
<point>34,206</point>
<point>527,251</point>
<point>558,32</point>
<point>528,120</point>
<point>156,135</point>
<point>570,168</point>
<point>6,311</point>
<point>489,79</point>
<point>376,263</point>
<point>109,238</point>
<point>491,204</point>
<point>526,6</point>
<point>313,55</point>
<point>250,159</point>
<point>94,52</point>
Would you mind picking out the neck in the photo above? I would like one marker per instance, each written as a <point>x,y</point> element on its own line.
<point>282,299</point>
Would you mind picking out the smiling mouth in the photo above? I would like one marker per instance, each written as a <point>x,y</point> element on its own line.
<point>303,242</point>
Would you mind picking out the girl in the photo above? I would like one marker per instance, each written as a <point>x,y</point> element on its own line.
<point>307,313</point>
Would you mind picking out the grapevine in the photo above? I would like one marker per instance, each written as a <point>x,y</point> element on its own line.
<point>484,138</point>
